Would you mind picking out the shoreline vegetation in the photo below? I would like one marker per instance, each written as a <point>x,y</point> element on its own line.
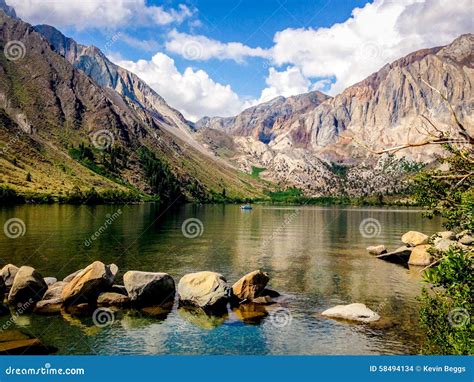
<point>291,196</point>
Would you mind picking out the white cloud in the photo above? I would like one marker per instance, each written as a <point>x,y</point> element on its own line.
<point>192,92</point>
<point>374,35</point>
<point>98,13</point>
<point>286,83</point>
<point>198,47</point>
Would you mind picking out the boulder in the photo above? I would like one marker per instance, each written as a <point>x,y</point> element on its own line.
<point>50,280</point>
<point>112,299</point>
<point>420,256</point>
<point>352,312</point>
<point>207,290</point>
<point>86,286</point>
<point>52,306</point>
<point>462,233</point>
<point>8,274</point>
<point>71,276</point>
<point>442,245</point>
<point>414,238</point>
<point>466,240</point>
<point>149,288</point>
<point>250,286</point>
<point>399,256</point>
<point>446,235</point>
<point>27,289</point>
<point>54,291</point>
<point>376,249</point>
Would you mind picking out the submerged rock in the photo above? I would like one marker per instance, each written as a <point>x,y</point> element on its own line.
<point>207,290</point>
<point>149,288</point>
<point>376,249</point>
<point>250,286</point>
<point>112,299</point>
<point>28,288</point>
<point>352,312</point>
<point>86,286</point>
<point>414,238</point>
<point>420,256</point>
<point>14,342</point>
<point>202,318</point>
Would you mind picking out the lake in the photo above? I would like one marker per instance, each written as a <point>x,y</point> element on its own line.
<point>315,257</point>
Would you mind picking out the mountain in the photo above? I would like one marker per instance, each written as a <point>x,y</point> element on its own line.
<point>61,131</point>
<point>307,146</point>
<point>264,121</point>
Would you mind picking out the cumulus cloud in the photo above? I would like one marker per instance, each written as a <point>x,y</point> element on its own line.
<point>374,35</point>
<point>285,83</point>
<point>192,92</point>
<point>98,13</point>
<point>198,47</point>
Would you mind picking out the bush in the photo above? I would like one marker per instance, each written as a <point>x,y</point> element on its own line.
<point>447,306</point>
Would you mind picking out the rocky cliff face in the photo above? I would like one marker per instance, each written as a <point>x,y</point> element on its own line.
<point>382,111</point>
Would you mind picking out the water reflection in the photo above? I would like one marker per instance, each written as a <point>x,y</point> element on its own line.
<point>315,256</point>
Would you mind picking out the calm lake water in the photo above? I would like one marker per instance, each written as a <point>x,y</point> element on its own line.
<point>315,256</point>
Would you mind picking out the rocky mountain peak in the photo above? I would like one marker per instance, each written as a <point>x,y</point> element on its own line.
<point>9,10</point>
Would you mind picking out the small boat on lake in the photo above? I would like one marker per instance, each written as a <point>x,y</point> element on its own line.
<point>246,207</point>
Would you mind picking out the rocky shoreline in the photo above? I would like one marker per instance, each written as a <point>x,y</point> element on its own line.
<point>421,250</point>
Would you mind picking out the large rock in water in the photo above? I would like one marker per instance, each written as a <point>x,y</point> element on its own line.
<point>149,288</point>
<point>353,312</point>
<point>72,275</point>
<point>414,238</point>
<point>27,289</point>
<point>8,274</point>
<point>250,286</point>
<point>86,286</point>
<point>206,290</point>
<point>420,256</point>
<point>443,245</point>
<point>55,291</point>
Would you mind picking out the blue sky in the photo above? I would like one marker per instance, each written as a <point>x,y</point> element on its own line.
<point>218,57</point>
